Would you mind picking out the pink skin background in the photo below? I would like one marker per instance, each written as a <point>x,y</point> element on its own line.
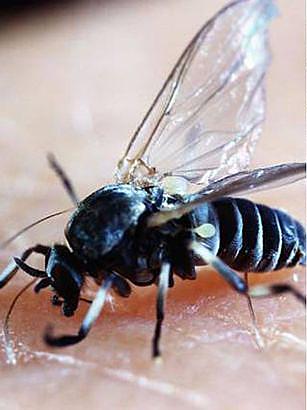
<point>76,80</point>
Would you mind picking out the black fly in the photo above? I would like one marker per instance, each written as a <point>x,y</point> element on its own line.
<point>173,204</point>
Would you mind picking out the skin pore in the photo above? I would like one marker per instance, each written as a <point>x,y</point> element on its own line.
<point>76,82</point>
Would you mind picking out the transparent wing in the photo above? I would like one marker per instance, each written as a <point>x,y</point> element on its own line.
<point>259,179</point>
<point>238,184</point>
<point>205,120</point>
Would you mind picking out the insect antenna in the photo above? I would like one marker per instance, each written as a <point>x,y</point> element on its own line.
<point>6,331</point>
<point>5,243</point>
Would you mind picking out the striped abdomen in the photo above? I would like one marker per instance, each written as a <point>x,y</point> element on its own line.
<point>251,237</point>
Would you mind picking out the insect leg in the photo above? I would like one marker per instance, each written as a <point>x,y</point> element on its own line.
<point>249,302</point>
<point>12,268</point>
<point>237,282</point>
<point>36,273</point>
<point>162,290</point>
<point>258,337</point>
<point>88,321</point>
<point>230,275</point>
<point>121,286</point>
<point>278,289</point>
<point>63,177</point>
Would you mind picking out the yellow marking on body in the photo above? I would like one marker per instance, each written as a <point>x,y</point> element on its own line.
<point>205,230</point>
<point>175,185</point>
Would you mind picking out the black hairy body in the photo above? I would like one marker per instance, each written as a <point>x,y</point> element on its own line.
<point>112,241</point>
<point>255,238</point>
<point>108,232</point>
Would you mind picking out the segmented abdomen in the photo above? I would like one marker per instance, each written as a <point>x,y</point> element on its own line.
<point>252,237</point>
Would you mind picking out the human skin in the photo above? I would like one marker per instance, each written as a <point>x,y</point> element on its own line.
<point>76,82</point>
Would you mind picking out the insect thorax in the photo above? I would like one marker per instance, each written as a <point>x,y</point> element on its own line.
<point>101,219</point>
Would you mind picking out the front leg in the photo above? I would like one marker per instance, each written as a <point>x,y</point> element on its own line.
<point>90,318</point>
<point>12,268</point>
<point>63,272</point>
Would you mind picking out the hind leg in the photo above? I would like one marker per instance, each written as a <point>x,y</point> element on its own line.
<point>278,289</point>
<point>67,184</point>
<point>258,337</point>
<point>237,282</point>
